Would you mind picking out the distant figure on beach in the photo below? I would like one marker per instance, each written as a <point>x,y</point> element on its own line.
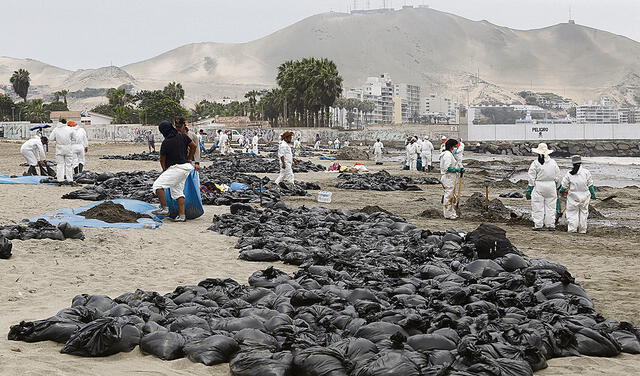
<point>316,146</point>
<point>201,138</point>
<point>297,145</point>
<point>578,188</point>
<point>449,175</point>
<point>254,143</point>
<point>460,153</point>
<point>378,149</point>
<point>33,152</point>
<point>63,135</point>
<point>223,144</point>
<point>151,141</point>
<point>544,177</point>
<point>285,157</point>
<point>412,154</point>
<point>336,143</point>
<point>426,154</point>
<point>176,153</point>
<point>79,148</point>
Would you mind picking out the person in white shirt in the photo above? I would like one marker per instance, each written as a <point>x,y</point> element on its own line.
<point>241,142</point>
<point>224,142</point>
<point>285,157</point>
<point>64,136</point>
<point>254,143</point>
<point>577,186</point>
<point>336,143</point>
<point>426,154</point>
<point>317,144</point>
<point>378,149</point>
<point>544,176</point>
<point>33,152</point>
<point>412,154</point>
<point>80,147</point>
<point>460,153</point>
<point>448,177</point>
<point>297,145</point>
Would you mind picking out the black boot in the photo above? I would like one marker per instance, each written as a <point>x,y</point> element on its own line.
<point>75,170</point>
<point>80,167</point>
<point>43,172</point>
<point>32,171</point>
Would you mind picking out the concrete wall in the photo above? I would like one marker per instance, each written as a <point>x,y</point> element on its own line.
<point>135,132</point>
<point>544,132</point>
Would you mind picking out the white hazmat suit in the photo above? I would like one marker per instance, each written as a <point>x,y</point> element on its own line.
<point>412,156</point>
<point>578,199</point>
<point>79,146</point>
<point>448,180</point>
<point>64,136</point>
<point>33,151</point>
<point>544,178</point>
<point>254,144</point>
<point>378,147</point>
<point>286,173</point>
<point>426,153</point>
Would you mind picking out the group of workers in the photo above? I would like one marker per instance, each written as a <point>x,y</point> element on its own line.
<point>71,145</point>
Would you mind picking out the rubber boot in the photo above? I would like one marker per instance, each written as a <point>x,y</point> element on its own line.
<point>42,171</point>
<point>32,171</point>
<point>80,167</point>
<point>75,170</point>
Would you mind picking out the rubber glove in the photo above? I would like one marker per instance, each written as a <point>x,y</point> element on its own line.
<point>528,192</point>
<point>455,169</point>
<point>592,189</point>
<point>558,207</point>
<point>562,192</point>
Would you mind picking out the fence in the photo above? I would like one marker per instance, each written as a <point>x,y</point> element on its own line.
<point>544,132</point>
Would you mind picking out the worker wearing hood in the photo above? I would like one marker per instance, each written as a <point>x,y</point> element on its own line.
<point>33,152</point>
<point>64,136</point>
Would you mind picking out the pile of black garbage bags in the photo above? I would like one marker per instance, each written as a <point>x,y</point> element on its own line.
<point>382,181</point>
<point>374,295</point>
<point>137,185</point>
<point>41,229</point>
<point>238,162</point>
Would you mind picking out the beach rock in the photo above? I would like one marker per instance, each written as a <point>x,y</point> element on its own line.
<point>352,154</point>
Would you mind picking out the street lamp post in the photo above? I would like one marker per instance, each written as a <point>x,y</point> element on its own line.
<point>13,113</point>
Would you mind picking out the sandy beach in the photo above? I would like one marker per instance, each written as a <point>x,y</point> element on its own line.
<point>44,275</point>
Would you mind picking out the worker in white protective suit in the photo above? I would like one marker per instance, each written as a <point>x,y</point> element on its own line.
<point>544,177</point>
<point>316,146</point>
<point>412,154</point>
<point>442,145</point>
<point>80,147</point>
<point>224,143</point>
<point>378,149</point>
<point>449,173</point>
<point>460,153</point>
<point>33,152</point>
<point>254,143</point>
<point>64,136</point>
<point>426,154</point>
<point>336,143</point>
<point>285,157</point>
<point>297,146</point>
<point>577,186</point>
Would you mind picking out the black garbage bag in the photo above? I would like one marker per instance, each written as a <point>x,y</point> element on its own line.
<point>393,362</point>
<point>491,242</point>
<point>429,342</point>
<point>501,367</point>
<point>268,278</point>
<point>101,303</point>
<point>104,337</point>
<point>262,255</point>
<point>261,363</point>
<point>70,231</point>
<point>212,350</point>
<point>5,248</point>
<point>164,345</point>
<point>255,339</point>
<point>321,361</point>
<point>188,321</point>
<point>52,329</point>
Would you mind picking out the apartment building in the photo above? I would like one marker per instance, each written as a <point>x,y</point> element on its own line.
<point>603,112</point>
<point>441,107</point>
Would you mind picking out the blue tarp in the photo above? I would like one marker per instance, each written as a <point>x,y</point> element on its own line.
<point>32,180</point>
<point>323,158</point>
<point>70,216</point>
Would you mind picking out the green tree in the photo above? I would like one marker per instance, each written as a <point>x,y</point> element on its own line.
<point>118,97</point>
<point>174,91</point>
<point>36,111</point>
<point>252,99</point>
<point>6,103</point>
<point>21,82</point>
<point>56,106</point>
<point>163,109</point>
<point>63,94</point>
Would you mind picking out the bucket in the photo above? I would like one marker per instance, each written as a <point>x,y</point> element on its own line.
<point>324,197</point>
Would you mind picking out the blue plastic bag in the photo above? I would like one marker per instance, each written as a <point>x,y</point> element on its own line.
<point>238,187</point>
<point>192,199</point>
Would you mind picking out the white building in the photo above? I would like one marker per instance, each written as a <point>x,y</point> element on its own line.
<point>379,91</point>
<point>599,113</point>
<point>94,118</point>
<point>410,96</point>
<point>440,107</point>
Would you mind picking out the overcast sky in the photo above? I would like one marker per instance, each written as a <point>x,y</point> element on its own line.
<point>77,34</point>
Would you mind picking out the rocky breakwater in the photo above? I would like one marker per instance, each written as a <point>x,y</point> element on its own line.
<point>596,148</point>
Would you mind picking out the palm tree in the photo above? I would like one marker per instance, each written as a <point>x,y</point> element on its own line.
<point>56,96</point>
<point>174,91</point>
<point>251,97</point>
<point>36,111</point>
<point>63,94</point>
<point>21,81</point>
